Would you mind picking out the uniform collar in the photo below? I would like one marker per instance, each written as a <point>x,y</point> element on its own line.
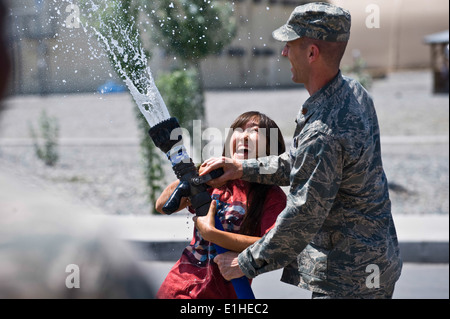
<point>320,97</point>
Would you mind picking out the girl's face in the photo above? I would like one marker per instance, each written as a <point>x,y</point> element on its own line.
<point>244,141</point>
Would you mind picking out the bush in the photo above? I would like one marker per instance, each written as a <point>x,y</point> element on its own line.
<point>183,95</point>
<point>358,71</point>
<point>49,132</point>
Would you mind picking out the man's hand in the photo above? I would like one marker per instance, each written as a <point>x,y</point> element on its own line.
<point>232,170</point>
<point>228,265</point>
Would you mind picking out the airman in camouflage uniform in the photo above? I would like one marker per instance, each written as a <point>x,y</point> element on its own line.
<point>338,217</point>
<point>336,236</point>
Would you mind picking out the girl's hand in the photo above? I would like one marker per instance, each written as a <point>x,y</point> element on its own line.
<point>206,224</point>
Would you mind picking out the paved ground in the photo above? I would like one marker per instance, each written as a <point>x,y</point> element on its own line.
<point>418,281</point>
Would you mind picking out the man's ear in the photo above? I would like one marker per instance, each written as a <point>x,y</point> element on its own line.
<point>313,53</point>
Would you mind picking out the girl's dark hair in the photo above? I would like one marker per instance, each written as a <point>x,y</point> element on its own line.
<point>257,192</point>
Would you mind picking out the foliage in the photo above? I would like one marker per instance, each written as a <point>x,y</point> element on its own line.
<point>49,132</point>
<point>358,71</point>
<point>192,29</point>
<point>183,95</point>
<point>152,161</point>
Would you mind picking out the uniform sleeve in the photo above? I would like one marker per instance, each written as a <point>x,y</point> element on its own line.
<point>270,170</point>
<point>316,175</point>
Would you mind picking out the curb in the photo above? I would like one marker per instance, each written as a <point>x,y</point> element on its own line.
<point>411,252</point>
<point>422,239</point>
<point>424,252</point>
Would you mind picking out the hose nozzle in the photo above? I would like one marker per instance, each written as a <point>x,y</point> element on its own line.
<point>191,184</point>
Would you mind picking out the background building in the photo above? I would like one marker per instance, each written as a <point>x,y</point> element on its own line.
<point>50,58</point>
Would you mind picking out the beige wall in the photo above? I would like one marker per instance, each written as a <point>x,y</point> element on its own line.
<point>256,23</point>
<point>59,63</point>
<point>398,42</point>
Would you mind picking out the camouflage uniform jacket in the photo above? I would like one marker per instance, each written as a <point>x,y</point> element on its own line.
<point>337,227</point>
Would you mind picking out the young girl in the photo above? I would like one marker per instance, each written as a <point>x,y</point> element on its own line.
<point>247,211</point>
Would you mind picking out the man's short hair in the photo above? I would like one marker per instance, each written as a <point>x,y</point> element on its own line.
<point>332,52</point>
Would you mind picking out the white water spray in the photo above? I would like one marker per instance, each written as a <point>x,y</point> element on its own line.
<point>127,50</point>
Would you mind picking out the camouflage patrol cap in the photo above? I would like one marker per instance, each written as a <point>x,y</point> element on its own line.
<point>317,20</point>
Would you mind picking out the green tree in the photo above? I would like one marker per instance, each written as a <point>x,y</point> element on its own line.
<point>183,95</point>
<point>191,30</point>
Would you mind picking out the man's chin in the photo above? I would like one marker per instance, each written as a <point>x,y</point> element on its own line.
<point>295,80</point>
